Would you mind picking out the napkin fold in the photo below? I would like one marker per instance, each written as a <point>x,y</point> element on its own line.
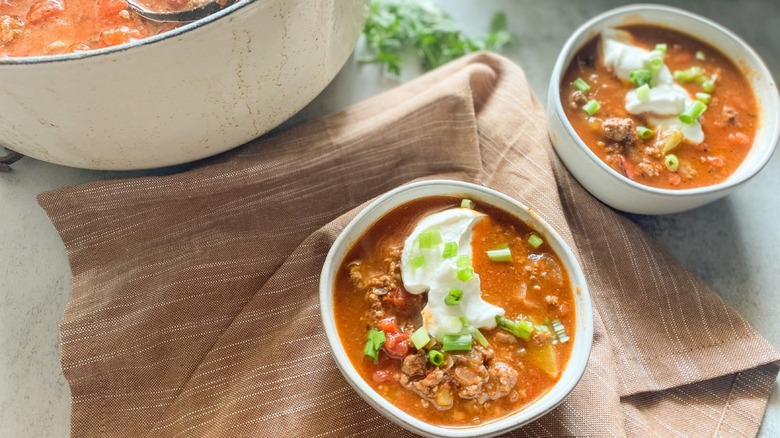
<point>195,307</point>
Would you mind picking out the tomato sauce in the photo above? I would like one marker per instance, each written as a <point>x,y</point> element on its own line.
<point>534,284</point>
<point>729,122</point>
<point>49,27</point>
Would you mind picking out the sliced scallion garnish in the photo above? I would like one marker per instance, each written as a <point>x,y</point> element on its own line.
<point>521,328</point>
<point>463,261</point>
<point>700,56</point>
<point>375,339</point>
<point>454,297</point>
<point>672,162</point>
<point>661,47</point>
<point>591,107</point>
<point>467,203</point>
<point>478,336</point>
<point>460,342</point>
<point>708,85</point>
<point>465,274</point>
<point>641,77</point>
<point>436,358</point>
<point>654,64</point>
<point>429,238</point>
<point>417,261</point>
<point>690,75</point>
<point>450,250</point>
<point>704,97</point>
<point>643,93</point>
<point>535,241</point>
<point>420,338</point>
<point>644,132</point>
<point>693,112</point>
<point>560,331</point>
<point>580,85</point>
<point>500,255</point>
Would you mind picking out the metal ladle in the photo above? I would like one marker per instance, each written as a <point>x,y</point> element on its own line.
<point>183,16</point>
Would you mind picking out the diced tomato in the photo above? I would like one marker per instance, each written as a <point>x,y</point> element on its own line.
<point>111,8</point>
<point>565,309</point>
<point>119,35</point>
<point>403,300</point>
<point>43,10</point>
<point>384,375</point>
<point>626,168</point>
<point>396,344</point>
<point>674,178</point>
<point>388,325</point>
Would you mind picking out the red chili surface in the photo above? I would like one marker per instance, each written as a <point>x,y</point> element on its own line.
<point>469,387</point>
<point>48,27</point>
<point>729,123</point>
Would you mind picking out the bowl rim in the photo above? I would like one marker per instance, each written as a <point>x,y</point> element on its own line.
<point>583,340</point>
<point>62,57</point>
<point>571,46</point>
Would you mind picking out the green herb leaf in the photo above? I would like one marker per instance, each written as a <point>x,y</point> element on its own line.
<point>395,26</point>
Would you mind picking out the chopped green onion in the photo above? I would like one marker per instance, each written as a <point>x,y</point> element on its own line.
<point>463,261</point>
<point>644,133</point>
<point>521,328</point>
<point>643,93</point>
<point>704,97</point>
<point>467,203</point>
<point>500,255</point>
<point>689,75</point>
<point>692,112</point>
<point>418,261</point>
<point>591,107</point>
<point>436,358</point>
<point>375,339</point>
<point>700,56</point>
<point>708,85</point>
<point>671,162</point>
<point>661,47</point>
<point>654,64</point>
<point>454,297</point>
<point>456,342</point>
<point>429,238</point>
<point>465,274</point>
<point>560,331</point>
<point>420,338</point>
<point>502,246</point>
<point>535,241</point>
<point>581,85</point>
<point>450,250</point>
<point>641,77</point>
<point>478,336</point>
<point>451,324</point>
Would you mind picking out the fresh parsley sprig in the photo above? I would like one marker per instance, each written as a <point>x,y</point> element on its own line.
<point>395,26</point>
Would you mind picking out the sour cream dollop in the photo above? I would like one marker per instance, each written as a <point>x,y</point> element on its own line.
<point>438,275</point>
<point>667,99</point>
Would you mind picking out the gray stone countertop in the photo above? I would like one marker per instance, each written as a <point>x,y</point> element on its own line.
<point>732,243</point>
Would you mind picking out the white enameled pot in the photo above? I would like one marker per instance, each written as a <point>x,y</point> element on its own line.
<point>616,190</point>
<point>187,94</point>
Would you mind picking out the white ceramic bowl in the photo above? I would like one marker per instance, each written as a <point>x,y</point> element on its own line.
<point>610,186</point>
<point>190,93</point>
<point>401,195</point>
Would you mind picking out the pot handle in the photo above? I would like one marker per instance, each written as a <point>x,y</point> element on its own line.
<point>10,158</point>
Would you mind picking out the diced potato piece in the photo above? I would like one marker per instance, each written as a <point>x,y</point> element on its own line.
<point>544,357</point>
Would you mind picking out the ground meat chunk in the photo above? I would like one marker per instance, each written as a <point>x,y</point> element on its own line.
<point>469,378</point>
<point>10,28</point>
<point>503,379</point>
<point>619,130</point>
<point>540,337</point>
<point>428,386</point>
<point>415,364</point>
<point>649,169</point>
<point>577,99</point>
<point>730,114</point>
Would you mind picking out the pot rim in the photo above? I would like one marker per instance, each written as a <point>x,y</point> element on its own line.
<point>63,57</point>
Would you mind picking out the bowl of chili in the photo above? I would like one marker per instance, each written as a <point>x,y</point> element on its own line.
<point>656,110</point>
<point>454,310</point>
<point>89,84</point>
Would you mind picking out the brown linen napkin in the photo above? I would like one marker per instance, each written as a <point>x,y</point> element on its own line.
<point>195,296</point>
